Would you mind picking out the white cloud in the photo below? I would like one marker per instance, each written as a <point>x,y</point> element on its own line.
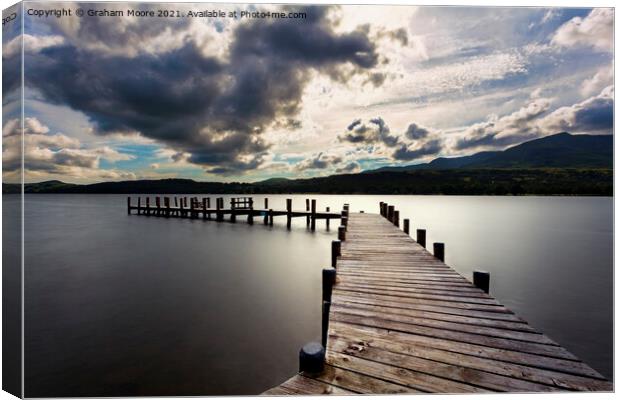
<point>603,78</point>
<point>509,129</point>
<point>593,115</point>
<point>54,155</point>
<point>32,44</point>
<point>595,30</point>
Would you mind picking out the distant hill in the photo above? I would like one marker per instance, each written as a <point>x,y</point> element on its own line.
<point>561,164</point>
<point>561,150</point>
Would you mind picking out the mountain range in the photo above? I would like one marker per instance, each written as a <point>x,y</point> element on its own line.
<point>561,164</point>
<point>561,150</point>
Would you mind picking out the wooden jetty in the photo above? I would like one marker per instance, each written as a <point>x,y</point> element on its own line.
<point>195,208</point>
<point>396,319</point>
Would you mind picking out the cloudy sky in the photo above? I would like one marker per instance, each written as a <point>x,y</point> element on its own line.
<point>342,90</point>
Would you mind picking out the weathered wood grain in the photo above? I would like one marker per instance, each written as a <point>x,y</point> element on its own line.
<point>402,321</point>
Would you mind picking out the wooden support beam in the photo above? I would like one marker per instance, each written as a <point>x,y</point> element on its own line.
<point>396,219</point>
<point>482,280</point>
<point>289,208</point>
<point>325,322</point>
<point>138,205</point>
<point>270,217</point>
<point>307,210</point>
<point>336,248</point>
<point>342,233</point>
<point>327,219</point>
<point>421,237</point>
<point>390,213</point>
<point>129,205</point>
<point>233,214</point>
<point>313,215</point>
<point>406,225</point>
<point>311,358</point>
<point>439,251</point>
<point>219,216</point>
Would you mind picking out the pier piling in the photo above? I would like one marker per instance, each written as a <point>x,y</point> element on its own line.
<point>311,358</point>
<point>439,251</point>
<point>335,251</point>
<point>482,280</point>
<point>421,237</point>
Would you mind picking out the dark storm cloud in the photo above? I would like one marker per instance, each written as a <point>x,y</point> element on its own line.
<point>415,143</point>
<point>407,153</point>
<point>320,161</point>
<point>349,168</point>
<point>416,132</point>
<point>213,110</point>
<point>354,124</point>
<point>376,131</point>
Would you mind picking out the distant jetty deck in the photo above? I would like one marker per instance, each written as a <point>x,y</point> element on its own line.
<point>397,319</point>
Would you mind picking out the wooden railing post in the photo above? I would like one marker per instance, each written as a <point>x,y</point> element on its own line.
<point>439,251</point>
<point>129,205</point>
<point>342,233</point>
<point>219,216</point>
<point>390,213</point>
<point>313,216</point>
<point>270,217</point>
<point>148,206</point>
<point>311,358</point>
<point>406,225</point>
<point>482,280</point>
<point>138,204</point>
<point>327,219</point>
<point>381,208</point>
<point>251,212</point>
<point>289,208</point>
<point>396,220</point>
<point>233,213</point>
<point>421,237</point>
<point>307,210</point>
<point>325,322</point>
<point>336,248</point>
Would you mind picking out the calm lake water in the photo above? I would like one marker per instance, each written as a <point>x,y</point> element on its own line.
<point>130,305</point>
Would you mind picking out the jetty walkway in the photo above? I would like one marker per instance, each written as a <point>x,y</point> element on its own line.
<point>399,320</point>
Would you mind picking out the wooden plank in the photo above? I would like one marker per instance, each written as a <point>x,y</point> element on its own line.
<point>525,348</point>
<point>300,385</point>
<point>422,320</point>
<point>439,316</point>
<point>500,364</point>
<point>457,373</point>
<point>413,379</point>
<point>359,383</point>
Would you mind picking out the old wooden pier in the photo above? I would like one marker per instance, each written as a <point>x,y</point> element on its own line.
<point>397,319</point>
<point>195,208</point>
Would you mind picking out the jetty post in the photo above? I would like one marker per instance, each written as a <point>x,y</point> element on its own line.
<point>421,237</point>
<point>406,225</point>
<point>233,213</point>
<point>336,248</point>
<point>342,233</point>
<point>439,251</point>
<point>313,215</point>
<point>482,280</point>
<point>327,219</point>
<point>289,209</point>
